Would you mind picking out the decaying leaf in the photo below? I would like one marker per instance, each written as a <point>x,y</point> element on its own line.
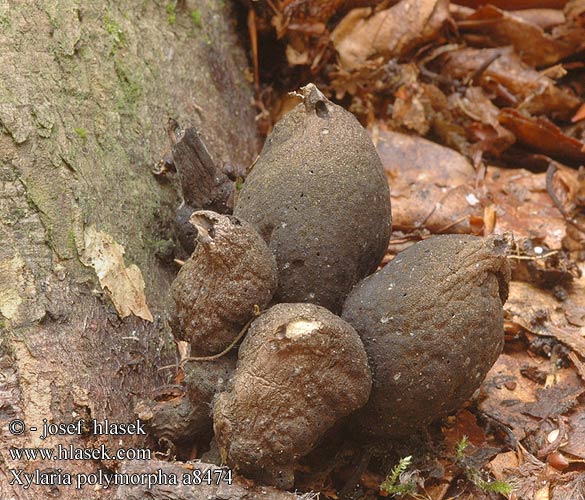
<point>490,26</point>
<point>416,160</point>
<point>465,424</point>
<point>502,72</point>
<point>542,135</point>
<point>304,16</point>
<point>555,400</point>
<point>431,185</point>
<point>124,285</point>
<point>576,442</point>
<point>506,390</point>
<point>516,4</point>
<point>479,114</point>
<point>545,18</point>
<point>364,34</point>
<point>523,206</point>
<point>503,463</point>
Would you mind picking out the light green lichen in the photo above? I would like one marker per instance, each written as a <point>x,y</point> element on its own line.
<point>81,132</point>
<point>172,12</point>
<point>196,18</point>
<point>117,35</point>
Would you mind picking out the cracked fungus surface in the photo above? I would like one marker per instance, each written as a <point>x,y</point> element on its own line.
<point>432,325</point>
<point>230,273</point>
<point>300,369</point>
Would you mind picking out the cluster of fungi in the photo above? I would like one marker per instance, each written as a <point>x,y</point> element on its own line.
<point>329,341</point>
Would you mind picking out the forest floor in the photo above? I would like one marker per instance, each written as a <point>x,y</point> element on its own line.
<point>478,115</point>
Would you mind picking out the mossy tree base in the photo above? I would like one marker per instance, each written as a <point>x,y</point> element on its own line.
<point>86,90</point>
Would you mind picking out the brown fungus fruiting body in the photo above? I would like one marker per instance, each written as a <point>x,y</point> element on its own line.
<point>230,275</point>
<point>432,325</point>
<point>176,420</point>
<point>319,197</point>
<point>300,369</point>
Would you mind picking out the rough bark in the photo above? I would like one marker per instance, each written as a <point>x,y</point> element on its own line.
<point>86,89</point>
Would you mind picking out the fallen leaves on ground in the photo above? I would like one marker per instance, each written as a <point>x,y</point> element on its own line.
<point>364,35</point>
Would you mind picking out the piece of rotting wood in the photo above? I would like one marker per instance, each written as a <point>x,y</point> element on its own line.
<point>203,181</point>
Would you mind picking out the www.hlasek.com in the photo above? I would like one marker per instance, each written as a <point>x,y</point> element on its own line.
<point>71,452</point>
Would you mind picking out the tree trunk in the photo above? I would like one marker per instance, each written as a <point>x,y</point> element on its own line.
<point>86,89</point>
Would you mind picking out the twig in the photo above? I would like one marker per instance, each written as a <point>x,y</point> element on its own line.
<point>480,71</point>
<point>227,349</point>
<point>533,257</point>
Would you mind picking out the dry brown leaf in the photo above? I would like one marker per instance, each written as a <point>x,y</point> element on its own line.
<point>578,364</point>
<point>556,400</point>
<point>579,115</point>
<point>409,109</point>
<point>417,160</point>
<point>570,486</point>
<point>430,185</point>
<point>523,206</point>
<point>479,115</point>
<point>489,26</point>
<point>465,425</point>
<point>124,285</point>
<point>501,71</point>
<point>516,4</point>
<point>438,491</point>
<point>572,337</point>
<point>438,210</point>
<point>363,34</point>
<point>539,134</point>
<point>295,57</point>
<point>545,18</point>
<point>506,391</point>
<point>309,16</point>
<point>503,463</point>
<point>576,443</point>
<point>509,396</point>
<point>538,312</point>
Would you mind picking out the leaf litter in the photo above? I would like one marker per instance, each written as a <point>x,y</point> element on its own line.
<point>477,111</point>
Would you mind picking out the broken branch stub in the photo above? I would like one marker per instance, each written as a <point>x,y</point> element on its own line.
<point>203,181</point>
